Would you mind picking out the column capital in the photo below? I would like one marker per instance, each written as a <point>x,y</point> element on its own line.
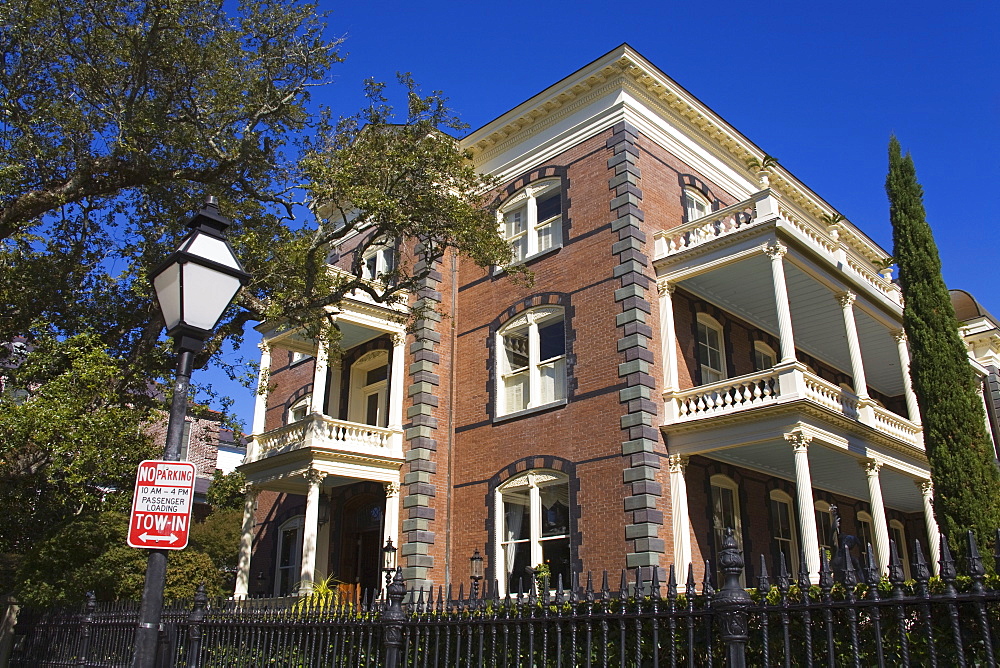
<point>899,336</point>
<point>846,299</point>
<point>251,489</point>
<point>663,286</point>
<point>799,440</point>
<point>677,463</point>
<point>265,347</point>
<point>314,477</point>
<point>871,466</point>
<point>775,251</point>
<point>391,489</point>
<point>926,487</point>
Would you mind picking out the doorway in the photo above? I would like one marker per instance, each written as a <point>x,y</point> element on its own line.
<point>361,542</point>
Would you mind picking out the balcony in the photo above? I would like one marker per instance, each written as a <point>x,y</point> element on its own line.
<point>323,434</point>
<point>782,386</point>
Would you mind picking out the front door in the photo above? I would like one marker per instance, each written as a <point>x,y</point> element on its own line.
<point>360,552</point>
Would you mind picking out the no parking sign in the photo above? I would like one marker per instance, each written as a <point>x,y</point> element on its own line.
<point>161,505</point>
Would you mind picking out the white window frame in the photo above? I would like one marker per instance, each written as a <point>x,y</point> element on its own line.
<point>696,205</point>
<point>531,236</point>
<point>533,372</point>
<point>863,518</point>
<point>761,353</point>
<point>299,410</point>
<point>533,481</point>
<point>897,533</point>
<point>710,374</point>
<point>294,568</point>
<point>378,261</point>
<point>792,547</point>
<point>724,483</point>
<point>822,509</point>
<point>300,356</point>
<point>360,389</point>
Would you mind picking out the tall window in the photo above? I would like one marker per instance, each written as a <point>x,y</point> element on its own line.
<point>289,565</point>
<point>763,356</point>
<point>865,534</point>
<point>696,205</point>
<point>824,527</point>
<point>898,535</point>
<point>725,515</point>
<point>531,359</point>
<point>711,350</point>
<point>533,523</point>
<point>531,220</point>
<point>783,530</point>
<point>369,396</point>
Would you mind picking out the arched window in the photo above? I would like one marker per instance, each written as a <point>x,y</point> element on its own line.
<point>763,356</point>
<point>531,360</point>
<point>783,530</point>
<point>289,563</point>
<point>865,534</point>
<point>824,526</point>
<point>725,515</point>
<point>369,396</point>
<point>531,219</point>
<point>897,534</point>
<point>532,520</point>
<point>377,262</point>
<point>299,410</point>
<point>711,349</point>
<point>696,205</point>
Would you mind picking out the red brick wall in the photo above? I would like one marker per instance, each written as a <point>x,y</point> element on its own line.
<point>287,384</point>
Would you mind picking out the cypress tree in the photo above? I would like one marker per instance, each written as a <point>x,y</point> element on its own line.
<point>963,469</point>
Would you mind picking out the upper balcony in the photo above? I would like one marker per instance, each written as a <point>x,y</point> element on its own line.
<point>324,434</point>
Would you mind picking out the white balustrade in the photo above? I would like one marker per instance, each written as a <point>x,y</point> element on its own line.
<point>716,224</point>
<point>319,431</point>
<point>899,427</point>
<point>829,395</point>
<point>728,396</point>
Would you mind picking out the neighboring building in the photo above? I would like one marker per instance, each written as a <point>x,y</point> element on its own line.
<point>706,344</point>
<point>981,333</point>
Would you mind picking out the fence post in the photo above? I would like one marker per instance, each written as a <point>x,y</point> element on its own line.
<point>195,618</point>
<point>88,620</point>
<point>732,603</point>
<point>393,618</point>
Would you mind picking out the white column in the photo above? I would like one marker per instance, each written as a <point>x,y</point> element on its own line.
<point>846,300</point>
<point>317,404</point>
<point>260,400</point>
<point>776,252</point>
<point>912,407</point>
<point>534,372</point>
<point>668,336</point>
<point>314,479</point>
<point>933,532</point>
<point>246,543</point>
<point>397,384</point>
<point>390,530</point>
<point>531,219</point>
<point>681,519</point>
<point>881,526</point>
<point>804,497</point>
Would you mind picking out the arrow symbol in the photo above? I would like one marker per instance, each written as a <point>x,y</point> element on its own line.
<point>170,539</point>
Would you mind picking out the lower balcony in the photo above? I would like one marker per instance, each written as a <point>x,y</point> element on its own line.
<point>783,385</point>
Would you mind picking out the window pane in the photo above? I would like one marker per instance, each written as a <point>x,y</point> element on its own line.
<point>865,535</point>
<point>516,557</point>
<point>516,347</point>
<point>782,524</point>
<point>377,375</point>
<point>824,527</point>
<point>552,339</point>
<point>552,378</point>
<point>549,206</point>
<point>546,238</point>
<point>514,222</point>
<point>516,515</point>
<point>520,246</point>
<point>371,409</point>
<point>555,553</point>
<point>555,510</point>
<point>516,394</point>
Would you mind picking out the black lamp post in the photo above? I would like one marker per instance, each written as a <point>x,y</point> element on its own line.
<point>194,287</point>
<point>388,560</point>
<point>476,571</point>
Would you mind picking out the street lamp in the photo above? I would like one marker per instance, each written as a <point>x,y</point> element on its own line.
<point>476,571</point>
<point>194,287</point>
<point>388,560</point>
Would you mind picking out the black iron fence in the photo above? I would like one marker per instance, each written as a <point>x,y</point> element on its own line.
<point>847,615</point>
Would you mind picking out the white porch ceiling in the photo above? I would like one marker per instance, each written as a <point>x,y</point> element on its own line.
<point>745,289</point>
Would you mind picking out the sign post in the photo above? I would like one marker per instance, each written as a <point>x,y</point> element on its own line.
<point>161,506</point>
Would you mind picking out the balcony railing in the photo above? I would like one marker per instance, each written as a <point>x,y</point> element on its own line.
<point>779,386</point>
<point>325,433</point>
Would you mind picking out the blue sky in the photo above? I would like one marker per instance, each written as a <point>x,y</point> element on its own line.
<point>820,86</point>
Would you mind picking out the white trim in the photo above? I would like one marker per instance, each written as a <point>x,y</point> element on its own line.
<point>295,565</point>
<point>709,374</point>
<point>781,496</point>
<point>525,346</point>
<point>517,220</point>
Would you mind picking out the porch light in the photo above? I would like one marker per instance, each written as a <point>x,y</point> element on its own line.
<point>198,281</point>
<point>476,566</point>
<point>388,558</point>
